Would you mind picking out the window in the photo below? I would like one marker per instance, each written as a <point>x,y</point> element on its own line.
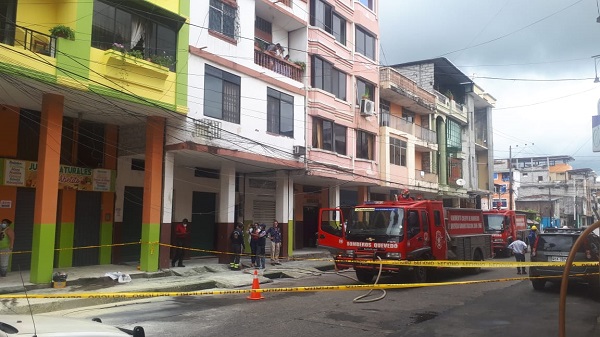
<point>397,152</point>
<point>502,203</point>
<point>222,18</point>
<point>323,16</point>
<point>365,90</point>
<point>221,95</point>
<point>453,136</point>
<point>325,76</point>
<point>329,136</point>
<point>365,43</point>
<point>365,143</point>
<point>367,3</point>
<point>280,113</point>
<point>154,35</point>
<point>408,115</point>
<point>495,176</point>
<point>384,113</point>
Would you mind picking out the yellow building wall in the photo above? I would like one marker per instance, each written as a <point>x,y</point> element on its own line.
<point>41,15</point>
<point>170,5</point>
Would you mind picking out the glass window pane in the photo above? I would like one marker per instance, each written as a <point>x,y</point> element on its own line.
<point>231,102</point>
<point>272,114</point>
<point>287,119</point>
<point>360,41</point>
<point>213,97</point>
<point>340,139</point>
<point>327,136</point>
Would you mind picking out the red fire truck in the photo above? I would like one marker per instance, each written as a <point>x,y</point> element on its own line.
<point>402,230</point>
<point>505,226</point>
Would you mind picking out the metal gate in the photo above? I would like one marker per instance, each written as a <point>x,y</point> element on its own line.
<point>23,227</point>
<point>203,228</point>
<point>131,228</point>
<point>87,228</point>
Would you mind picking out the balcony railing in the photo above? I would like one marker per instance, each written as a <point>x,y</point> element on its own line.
<point>403,125</point>
<point>407,87</point>
<point>278,65</point>
<point>28,39</point>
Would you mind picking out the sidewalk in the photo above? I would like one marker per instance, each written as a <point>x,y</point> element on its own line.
<point>198,274</point>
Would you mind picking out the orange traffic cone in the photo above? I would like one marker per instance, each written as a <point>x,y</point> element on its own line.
<point>255,295</point>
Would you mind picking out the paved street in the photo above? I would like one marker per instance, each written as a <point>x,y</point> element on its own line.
<point>488,309</point>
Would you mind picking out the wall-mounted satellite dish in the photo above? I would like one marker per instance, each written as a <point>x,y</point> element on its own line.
<point>460,182</point>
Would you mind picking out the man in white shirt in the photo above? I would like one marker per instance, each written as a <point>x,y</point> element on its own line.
<point>519,248</point>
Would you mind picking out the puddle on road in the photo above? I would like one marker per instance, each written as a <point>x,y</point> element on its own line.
<point>421,317</point>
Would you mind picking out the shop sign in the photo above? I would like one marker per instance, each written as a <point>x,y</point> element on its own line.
<point>23,173</point>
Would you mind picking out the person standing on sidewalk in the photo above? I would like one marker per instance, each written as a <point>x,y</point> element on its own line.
<point>253,232</point>
<point>181,234</point>
<point>274,234</point>
<point>237,242</point>
<point>7,240</point>
<point>519,248</point>
<point>261,247</point>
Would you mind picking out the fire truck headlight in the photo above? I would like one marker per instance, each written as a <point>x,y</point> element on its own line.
<point>393,256</point>
<point>350,253</point>
<point>498,240</point>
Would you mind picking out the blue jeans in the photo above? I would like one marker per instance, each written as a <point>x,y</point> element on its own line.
<point>520,258</point>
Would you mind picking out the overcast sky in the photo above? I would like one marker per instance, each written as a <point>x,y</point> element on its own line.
<point>504,46</point>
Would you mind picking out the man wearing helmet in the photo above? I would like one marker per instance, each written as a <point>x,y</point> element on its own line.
<point>7,240</point>
<point>532,236</point>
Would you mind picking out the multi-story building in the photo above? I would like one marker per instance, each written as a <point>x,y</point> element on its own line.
<point>462,125</point>
<point>87,87</point>
<point>236,156</point>
<point>550,187</point>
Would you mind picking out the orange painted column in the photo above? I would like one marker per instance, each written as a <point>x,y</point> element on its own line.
<point>46,194</point>
<point>151,213</point>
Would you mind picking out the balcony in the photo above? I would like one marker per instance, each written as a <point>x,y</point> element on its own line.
<point>278,65</point>
<point>405,126</point>
<point>450,107</point>
<point>28,39</point>
<point>400,90</point>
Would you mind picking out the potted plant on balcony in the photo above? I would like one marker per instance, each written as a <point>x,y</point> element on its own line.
<point>63,31</point>
<point>300,64</point>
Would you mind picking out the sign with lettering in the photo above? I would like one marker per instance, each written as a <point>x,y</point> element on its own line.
<point>23,173</point>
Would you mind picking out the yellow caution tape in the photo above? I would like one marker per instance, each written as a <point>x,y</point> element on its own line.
<point>348,287</point>
<point>466,264</point>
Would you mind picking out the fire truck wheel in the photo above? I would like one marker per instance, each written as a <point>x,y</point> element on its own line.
<point>538,283</point>
<point>477,256</point>
<point>364,276</point>
<point>419,275</point>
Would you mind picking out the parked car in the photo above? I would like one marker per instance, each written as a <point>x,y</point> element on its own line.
<point>41,326</point>
<point>554,245</point>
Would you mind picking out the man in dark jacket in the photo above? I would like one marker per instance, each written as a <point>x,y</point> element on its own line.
<point>237,242</point>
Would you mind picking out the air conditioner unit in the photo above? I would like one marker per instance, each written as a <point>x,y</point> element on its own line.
<point>367,107</point>
<point>299,150</point>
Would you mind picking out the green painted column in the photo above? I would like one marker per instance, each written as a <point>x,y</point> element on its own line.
<point>442,145</point>
<point>46,194</point>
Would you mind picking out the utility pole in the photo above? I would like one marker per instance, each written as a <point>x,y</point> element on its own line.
<point>510,179</point>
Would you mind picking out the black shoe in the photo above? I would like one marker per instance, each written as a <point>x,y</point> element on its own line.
<point>524,272</point>
<point>172,264</point>
<point>519,272</point>
<point>180,265</point>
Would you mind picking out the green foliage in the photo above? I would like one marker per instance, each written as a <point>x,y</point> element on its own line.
<point>162,60</point>
<point>63,31</point>
<point>136,53</point>
<point>301,64</point>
